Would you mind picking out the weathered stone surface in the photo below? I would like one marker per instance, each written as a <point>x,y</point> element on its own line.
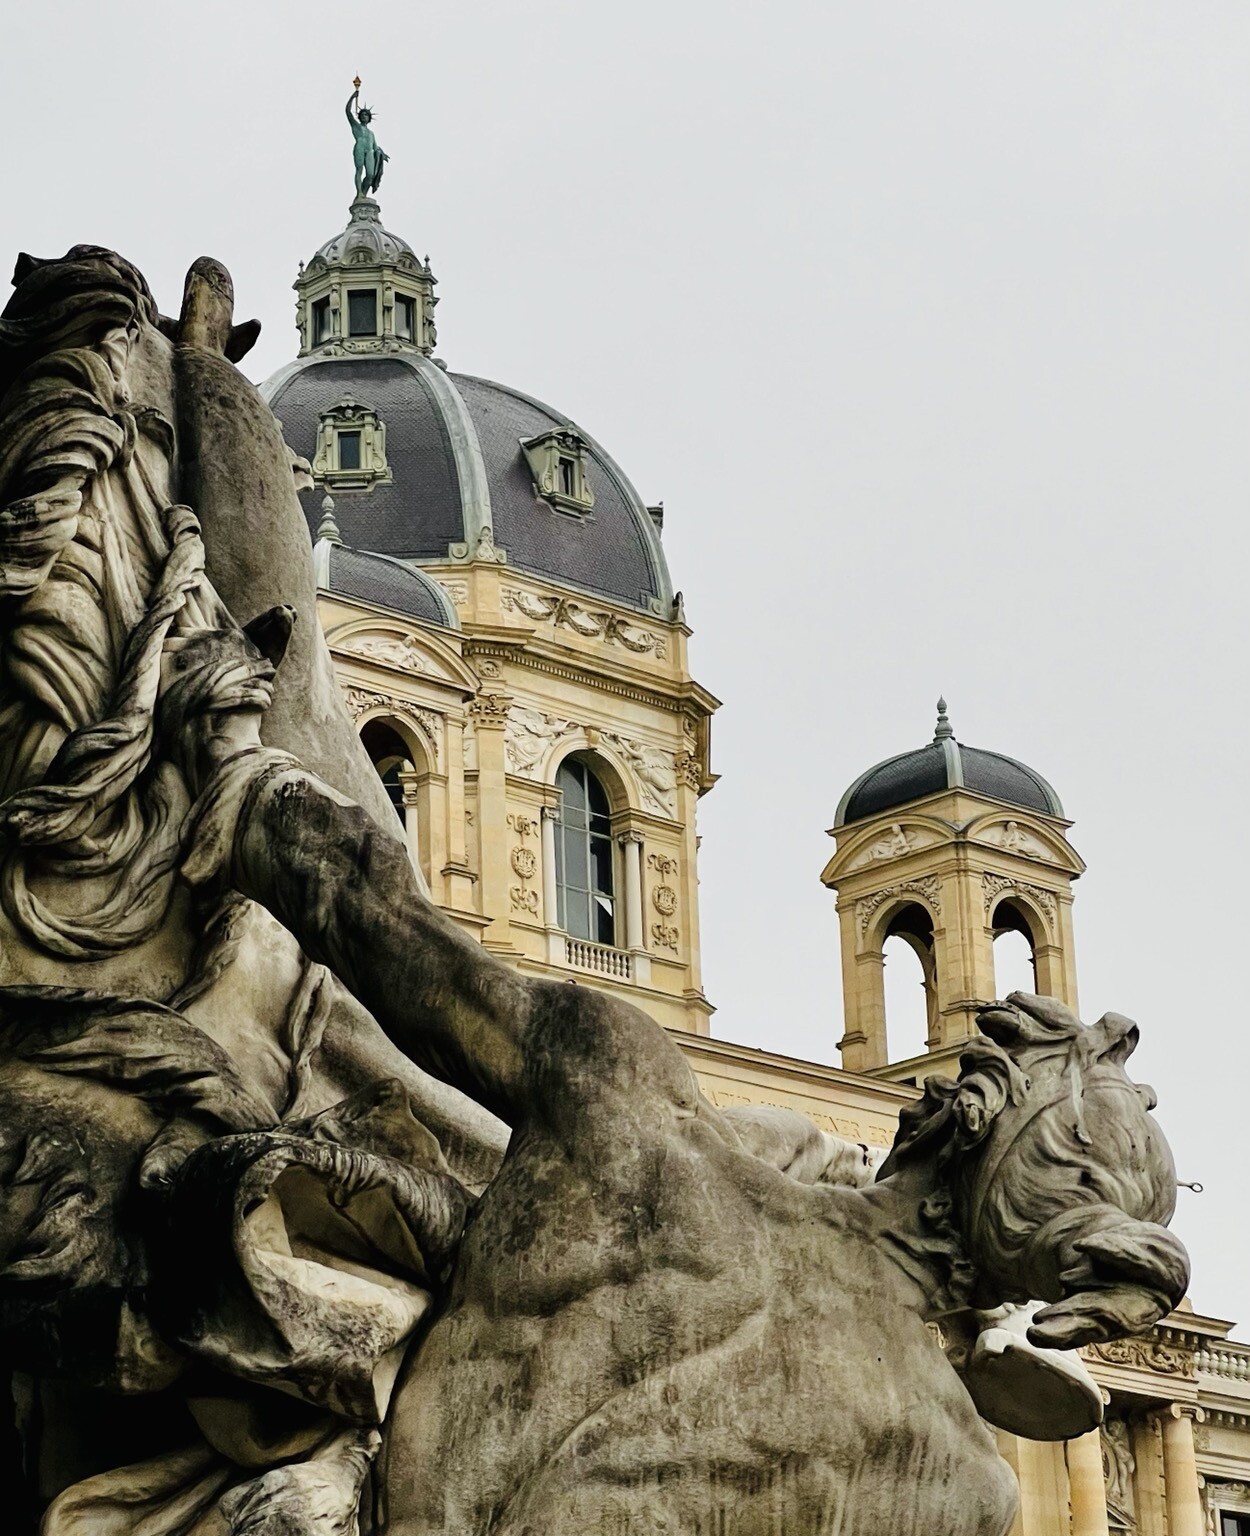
<point>350,1212</point>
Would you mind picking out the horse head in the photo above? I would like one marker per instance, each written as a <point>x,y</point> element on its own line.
<point>1052,1173</point>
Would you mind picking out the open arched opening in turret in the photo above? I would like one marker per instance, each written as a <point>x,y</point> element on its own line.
<point>1015,963</point>
<point>910,992</point>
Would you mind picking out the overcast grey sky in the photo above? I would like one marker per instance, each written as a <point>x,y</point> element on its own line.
<point>930,324</point>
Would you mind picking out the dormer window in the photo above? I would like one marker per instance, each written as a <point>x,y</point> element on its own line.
<point>405,318</point>
<point>362,312</point>
<point>557,461</point>
<point>322,323</point>
<point>351,447</point>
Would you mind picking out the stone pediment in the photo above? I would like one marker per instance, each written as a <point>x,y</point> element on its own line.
<point>1024,837</point>
<point>886,842</point>
<point>402,649</point>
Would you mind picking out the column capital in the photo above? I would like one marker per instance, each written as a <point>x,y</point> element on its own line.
<point>1184,1411</point>
<point>630,837</point>
<point>490,710</point>
<point>550,813</point>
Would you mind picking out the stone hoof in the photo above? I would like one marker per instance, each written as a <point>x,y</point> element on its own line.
<point>1040,1394</point>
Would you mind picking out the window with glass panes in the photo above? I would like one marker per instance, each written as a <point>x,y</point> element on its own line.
<point>362,312</point>
<point>321,321</point>
<point>1235,1525</point>
<point>349,450</point>
<point>405,318</point>
<point>584,856</point>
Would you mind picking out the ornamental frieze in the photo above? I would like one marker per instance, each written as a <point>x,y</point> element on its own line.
<point>1143,1355</point>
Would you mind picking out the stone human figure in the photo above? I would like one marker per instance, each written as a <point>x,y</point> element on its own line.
<point>369,156</point>
<point>631,1323</point>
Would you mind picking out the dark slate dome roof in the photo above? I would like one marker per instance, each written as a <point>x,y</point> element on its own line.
<point>384,581</point>
<point>453,444</point>
<point>942,764</point>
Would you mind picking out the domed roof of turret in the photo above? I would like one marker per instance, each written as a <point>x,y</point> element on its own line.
<point>377,579</point>
<point>366,239</point>
<point>943,764</point>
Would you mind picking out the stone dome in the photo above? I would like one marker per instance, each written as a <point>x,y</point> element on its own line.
<point>366,240</point>
<point>943,764</point>
<point>459,476</point>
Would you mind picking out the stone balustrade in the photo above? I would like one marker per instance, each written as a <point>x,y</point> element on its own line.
<point>602,959</point>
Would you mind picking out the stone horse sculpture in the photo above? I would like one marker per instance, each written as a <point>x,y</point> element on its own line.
<point>236,1205</point>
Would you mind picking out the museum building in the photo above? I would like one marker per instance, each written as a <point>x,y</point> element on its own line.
<point>504,626</point>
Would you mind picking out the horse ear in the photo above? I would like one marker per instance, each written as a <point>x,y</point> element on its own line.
<point>1119,1038</point>
<point>988,1081</point>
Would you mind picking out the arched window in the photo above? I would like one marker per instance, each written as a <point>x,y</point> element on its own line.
<point>1015,968</point>
<point>584,881</point>
<point>403,781</point>
<point>910,994</point>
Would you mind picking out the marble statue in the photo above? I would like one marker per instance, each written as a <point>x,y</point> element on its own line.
<point>317,1218</point>
<point>368,155</point>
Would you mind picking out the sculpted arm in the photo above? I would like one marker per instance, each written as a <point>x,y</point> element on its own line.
<point>348,109</point>
<point>522,1048</point>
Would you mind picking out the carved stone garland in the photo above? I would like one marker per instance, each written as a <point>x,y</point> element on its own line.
<point>994,886</point>
<point>361,700</point>
<point>591,623</point>
<point>928,886</point>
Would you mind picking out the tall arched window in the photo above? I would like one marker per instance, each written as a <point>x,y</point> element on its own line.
<point>584,884</point>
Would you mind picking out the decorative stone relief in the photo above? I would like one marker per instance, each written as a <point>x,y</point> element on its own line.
<point>491,708</point>
<point>896,841</point>
<point>401,651</point>
<point>995,886</point>
<point>1118,1466</point>
<point>688,769</point>
<point>528,737</point>
<point>928,887</point>
<point>657,777</point>
<point>592,624</point>
<point>523,897</point>
<point>457,591</point>
<point>361,700</point>
<point>1145,1354</point>
<point>1011,836</point>
<point>485,550</point>
<point>664,936</point>
<point>664,900</point>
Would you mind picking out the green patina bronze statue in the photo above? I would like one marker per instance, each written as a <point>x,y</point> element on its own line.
<point>369,156</point>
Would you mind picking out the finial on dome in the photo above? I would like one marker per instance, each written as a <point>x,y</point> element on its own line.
<point>327,528</point>
<point>944,731</point>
